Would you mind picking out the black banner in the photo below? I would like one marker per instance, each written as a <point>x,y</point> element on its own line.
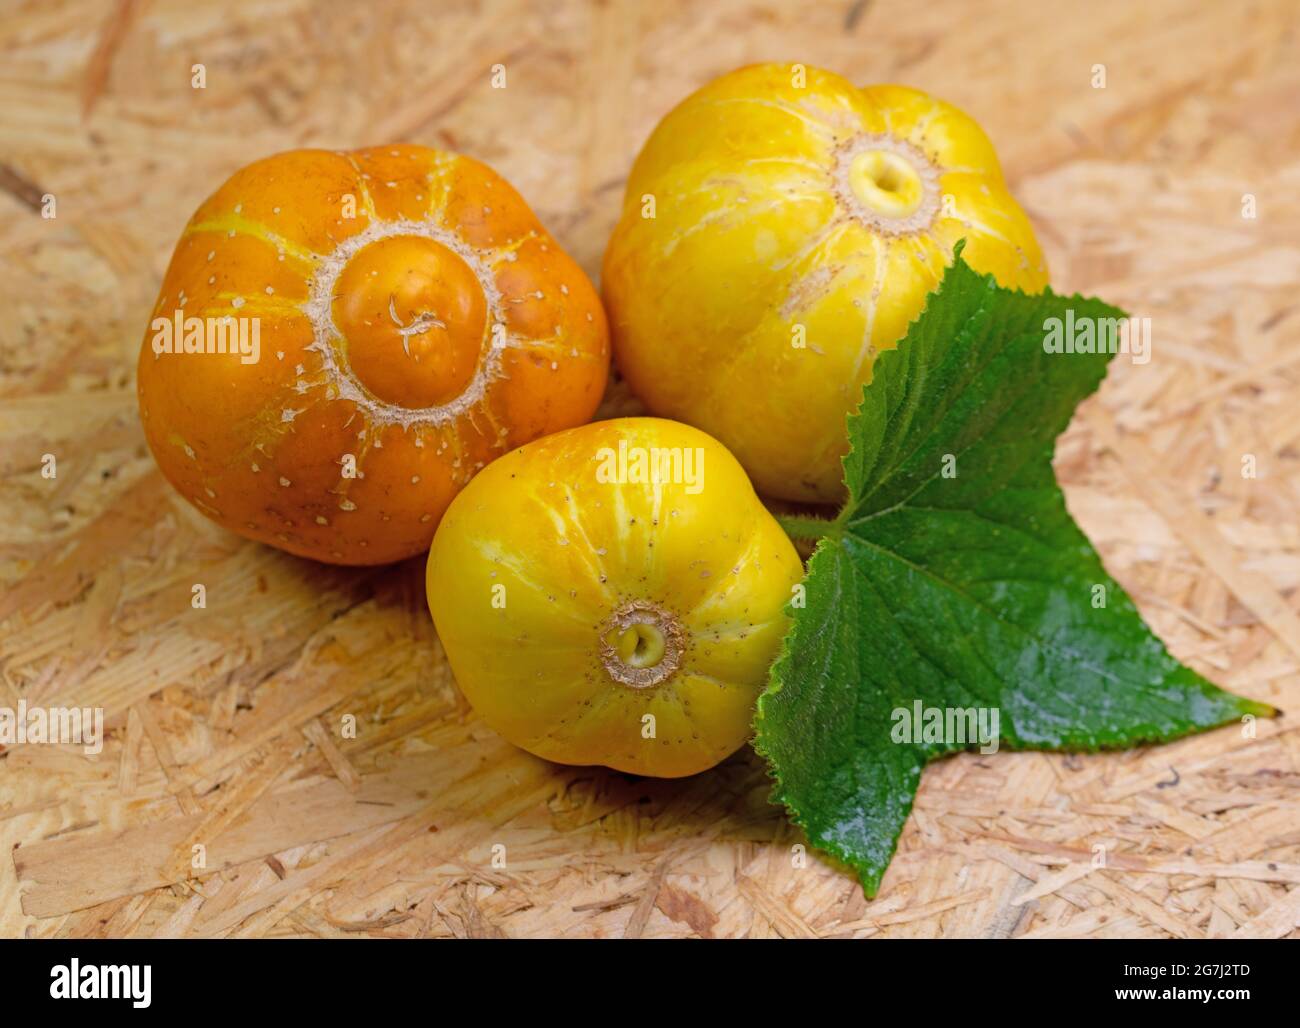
<point>366,977</point>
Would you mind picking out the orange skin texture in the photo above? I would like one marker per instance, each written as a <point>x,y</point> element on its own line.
<point>415,322</point>
<point>782,209</point>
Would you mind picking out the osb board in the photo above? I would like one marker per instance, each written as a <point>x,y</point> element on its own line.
<point>223,721</point>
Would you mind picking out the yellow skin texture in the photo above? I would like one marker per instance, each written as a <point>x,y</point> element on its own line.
<point>829,207</point>
<point>572,551</point>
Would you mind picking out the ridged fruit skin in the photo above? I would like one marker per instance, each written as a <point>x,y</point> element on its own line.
<point>759,229</point>
<point>382,385</point>
<point>571,551</point>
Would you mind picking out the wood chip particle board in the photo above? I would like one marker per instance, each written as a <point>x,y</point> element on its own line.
<point>226,729</point>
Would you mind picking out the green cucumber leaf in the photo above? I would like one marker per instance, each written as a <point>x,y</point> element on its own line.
<point>954,580</point>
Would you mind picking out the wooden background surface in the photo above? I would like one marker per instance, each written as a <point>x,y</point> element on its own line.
<point>224,721</point>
